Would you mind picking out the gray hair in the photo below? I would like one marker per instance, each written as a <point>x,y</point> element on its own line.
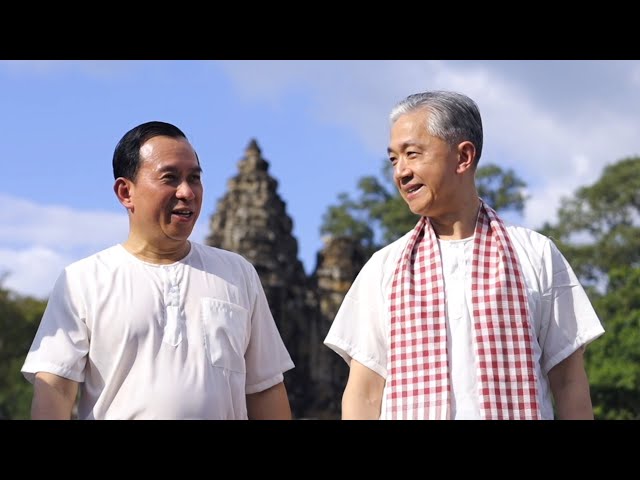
<point>453,117</point>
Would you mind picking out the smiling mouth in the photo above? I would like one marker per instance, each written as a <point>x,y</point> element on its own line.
<point>413,189</point>
<point>183,213</point>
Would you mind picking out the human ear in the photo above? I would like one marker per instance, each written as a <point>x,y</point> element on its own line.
<point>466,156</point>
<point>122,189</point>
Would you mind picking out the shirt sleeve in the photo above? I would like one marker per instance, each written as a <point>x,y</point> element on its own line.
<point>568,318</point>
<point>359,329</point>
<point>266,356</point>
<point>61,342</point>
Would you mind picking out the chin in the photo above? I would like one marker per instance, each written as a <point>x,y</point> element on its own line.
<point>419,211</point>
<point>181,236</point>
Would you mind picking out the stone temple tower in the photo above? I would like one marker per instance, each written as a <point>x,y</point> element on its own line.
<point>251,219</point>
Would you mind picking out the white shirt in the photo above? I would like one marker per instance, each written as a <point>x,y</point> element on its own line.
<point>562,316</point>
<point>181,341</point>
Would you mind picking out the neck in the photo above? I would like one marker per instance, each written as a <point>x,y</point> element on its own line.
<point>154,254</point>
<point>459,224</point>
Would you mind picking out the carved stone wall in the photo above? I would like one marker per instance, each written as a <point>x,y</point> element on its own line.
<point>338,264</point>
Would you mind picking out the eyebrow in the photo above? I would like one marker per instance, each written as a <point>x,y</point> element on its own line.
<point>404,146</point>
<point>170,168</point>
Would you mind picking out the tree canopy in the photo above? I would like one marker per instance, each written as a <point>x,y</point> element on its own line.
<point>598,227</point>
<point>598,230</point>
<point>19,319</point>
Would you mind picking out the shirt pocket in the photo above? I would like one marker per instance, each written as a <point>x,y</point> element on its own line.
<point>226,333</point>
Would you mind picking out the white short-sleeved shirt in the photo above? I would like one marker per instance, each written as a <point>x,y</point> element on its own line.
<point>562,316</point>
<point>181,341</point>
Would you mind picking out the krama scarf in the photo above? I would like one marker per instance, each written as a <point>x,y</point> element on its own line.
<point>418,374</point>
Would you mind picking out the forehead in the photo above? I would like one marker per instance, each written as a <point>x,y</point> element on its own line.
<point>161,151</point>
<point>414,120</point>
<point>409,128</point>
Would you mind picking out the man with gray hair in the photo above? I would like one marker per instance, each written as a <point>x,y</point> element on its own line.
<point>464,317</point>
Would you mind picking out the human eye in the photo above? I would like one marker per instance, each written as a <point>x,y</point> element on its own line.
<point>168,177</point>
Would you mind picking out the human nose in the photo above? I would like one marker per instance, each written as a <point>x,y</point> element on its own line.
<point>401,169</point>
<point>185,191</point>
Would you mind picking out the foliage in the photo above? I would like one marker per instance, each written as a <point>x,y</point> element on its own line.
<point>598,231</point>
<point>613,361</point>
<point>501,189</point>
<point>599,227</point>
<point>19,319</point>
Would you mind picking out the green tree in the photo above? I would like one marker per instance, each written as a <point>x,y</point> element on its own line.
<point>501,189</point>
<point>598,227</point>
<point>19,319</point>
<point>379,212</point>
<point>613,361</point>
<point>598,230</point>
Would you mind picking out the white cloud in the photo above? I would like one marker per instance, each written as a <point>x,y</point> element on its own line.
<point>557,124</point>
<point>26,223</point>
<point>37,241</point>
<point>31,271</point>
<point>353,94</point>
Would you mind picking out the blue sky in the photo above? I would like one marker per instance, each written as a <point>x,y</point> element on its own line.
<point>321,124</point>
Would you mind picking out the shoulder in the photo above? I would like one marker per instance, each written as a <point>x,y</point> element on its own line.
<point>215,256</point>
<point>208,251</point>
<point>108,257</point>
<point>391,253</point>
<point>537,251</point>
<point>215,252</point>
<point>79,275</point>
<point>528,239</point>
<point>380,267</point>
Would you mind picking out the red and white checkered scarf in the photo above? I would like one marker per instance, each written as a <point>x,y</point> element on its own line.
<point>418,373</point>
